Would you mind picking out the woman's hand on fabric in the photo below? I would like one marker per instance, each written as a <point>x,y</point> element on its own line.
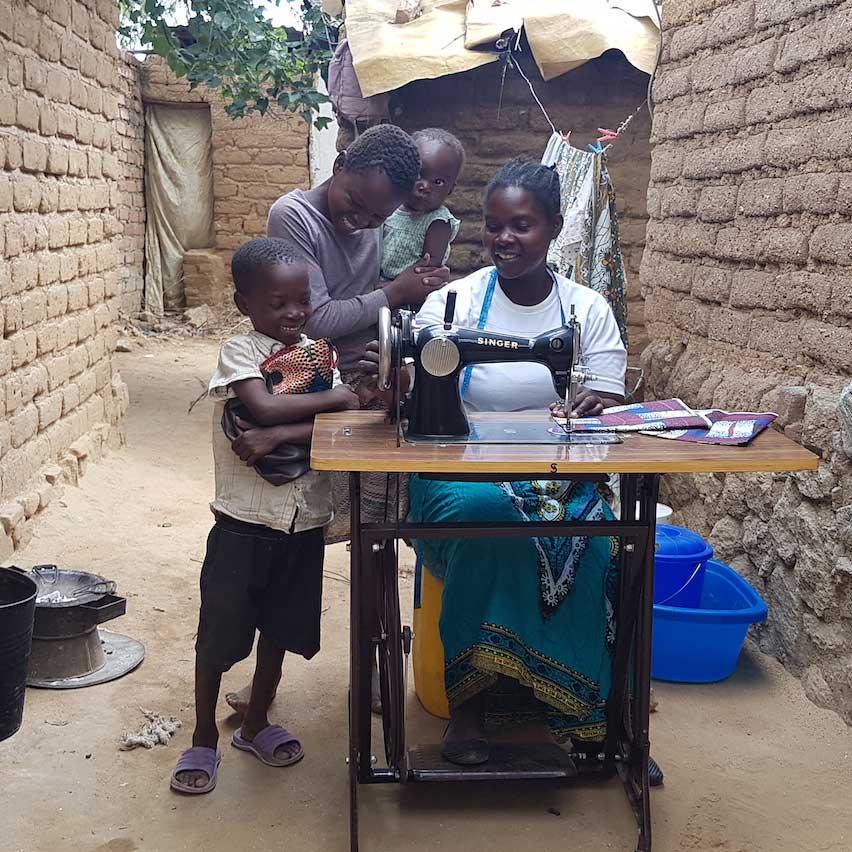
<point>413,285</point>
<point>586,404</point>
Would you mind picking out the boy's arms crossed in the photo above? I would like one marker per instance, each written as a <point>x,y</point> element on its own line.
<point>278,409</point>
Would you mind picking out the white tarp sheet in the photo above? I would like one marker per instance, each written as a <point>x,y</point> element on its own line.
<point>178,198</point>
<point>562,35</point>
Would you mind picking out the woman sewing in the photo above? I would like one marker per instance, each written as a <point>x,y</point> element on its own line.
<point>529,623</point>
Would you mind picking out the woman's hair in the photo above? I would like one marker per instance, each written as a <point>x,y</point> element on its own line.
<point>438,134</point>
<point>261,253</point>
<point>541,181</point>
<point>388,149</point>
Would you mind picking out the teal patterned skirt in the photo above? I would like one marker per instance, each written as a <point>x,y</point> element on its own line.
<point>532,621</point>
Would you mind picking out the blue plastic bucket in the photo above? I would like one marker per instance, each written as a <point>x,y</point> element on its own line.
<point>703,645</point>
<point>679,566</point>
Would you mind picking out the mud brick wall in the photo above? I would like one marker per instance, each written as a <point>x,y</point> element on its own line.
<point>255,161</point>
<point>71,213</point>
<point>601,93</point>
<point>748,282</point>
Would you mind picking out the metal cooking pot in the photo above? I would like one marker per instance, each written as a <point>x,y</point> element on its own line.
<point>72,603</point>
<point>66,588</point>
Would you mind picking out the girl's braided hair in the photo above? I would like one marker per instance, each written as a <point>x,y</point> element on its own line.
<point>388,149</point>
<point>541,181</point>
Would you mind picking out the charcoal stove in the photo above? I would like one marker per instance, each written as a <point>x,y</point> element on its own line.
<point>68,650</point>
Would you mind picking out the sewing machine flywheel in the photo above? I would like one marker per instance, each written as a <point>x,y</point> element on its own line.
<point>386,342</point>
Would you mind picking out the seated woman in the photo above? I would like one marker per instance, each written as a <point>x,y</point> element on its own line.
<point>539,612</point>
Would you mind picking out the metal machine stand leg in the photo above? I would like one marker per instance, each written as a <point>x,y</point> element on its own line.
<point>617,737</point>
<point>635,775</point>
<point>356,708</point>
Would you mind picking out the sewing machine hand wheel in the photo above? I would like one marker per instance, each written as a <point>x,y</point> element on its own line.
<point>389,644</point>
<point>386,345</point>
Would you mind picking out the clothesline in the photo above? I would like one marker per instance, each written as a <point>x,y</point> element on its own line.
<point>608,136</point>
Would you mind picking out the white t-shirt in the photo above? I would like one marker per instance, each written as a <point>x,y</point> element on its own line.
<point>527,385</point>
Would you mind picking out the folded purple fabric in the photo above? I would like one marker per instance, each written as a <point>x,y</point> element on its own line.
<point>733,428</point>
<point>640,416</point>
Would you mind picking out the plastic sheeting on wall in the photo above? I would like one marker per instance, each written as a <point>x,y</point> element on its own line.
<point>178,197</point>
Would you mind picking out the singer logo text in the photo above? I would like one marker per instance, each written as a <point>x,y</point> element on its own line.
<point>496,341</point>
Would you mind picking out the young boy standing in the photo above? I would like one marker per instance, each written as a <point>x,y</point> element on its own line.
<point>338,227</point>
<point>264,561</point>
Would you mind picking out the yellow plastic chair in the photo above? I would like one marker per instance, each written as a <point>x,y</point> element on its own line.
<point>427,648</point>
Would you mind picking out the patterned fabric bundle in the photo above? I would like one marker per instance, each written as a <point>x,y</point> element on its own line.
<point>642,416</point>
<point>673,419</point>
<point>732,428</point>
<point>301,369</point>
<point>588,249</point>
<point>294,369</point>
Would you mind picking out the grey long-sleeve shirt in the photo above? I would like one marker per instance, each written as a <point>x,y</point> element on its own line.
<point>344,272</point>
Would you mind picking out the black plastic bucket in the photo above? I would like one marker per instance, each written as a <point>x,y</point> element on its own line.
<point>17,612</point>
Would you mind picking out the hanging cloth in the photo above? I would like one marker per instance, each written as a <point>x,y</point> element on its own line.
<point>588,249</point>
<point>178,197</point>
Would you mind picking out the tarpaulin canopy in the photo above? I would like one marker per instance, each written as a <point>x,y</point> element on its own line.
<point>454,35</point>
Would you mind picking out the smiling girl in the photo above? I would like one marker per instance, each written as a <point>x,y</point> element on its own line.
<point>338,227</point>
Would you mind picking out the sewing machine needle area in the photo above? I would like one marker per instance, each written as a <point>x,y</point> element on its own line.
<point>509,430</point>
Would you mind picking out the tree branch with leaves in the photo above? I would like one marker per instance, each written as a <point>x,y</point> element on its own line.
<point>229,46</point>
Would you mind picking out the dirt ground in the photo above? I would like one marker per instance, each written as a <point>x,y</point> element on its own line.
<point>751,765</point>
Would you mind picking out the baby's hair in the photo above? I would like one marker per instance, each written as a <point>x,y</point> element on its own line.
<point>541,181</point>
<point>262,253</point>
<point>438,134</point>
<point>388,149</point>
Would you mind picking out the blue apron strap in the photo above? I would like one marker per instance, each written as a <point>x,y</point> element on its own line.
<point>480,325</point>
<point>558,295</point>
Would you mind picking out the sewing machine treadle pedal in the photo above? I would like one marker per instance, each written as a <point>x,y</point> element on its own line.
<point>508,762</point>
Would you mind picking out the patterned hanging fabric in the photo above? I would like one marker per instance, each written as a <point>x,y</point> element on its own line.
<point>588,249</point>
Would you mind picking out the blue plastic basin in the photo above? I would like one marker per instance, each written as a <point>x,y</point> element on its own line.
<point>702,645</point>
<point>679,559</point>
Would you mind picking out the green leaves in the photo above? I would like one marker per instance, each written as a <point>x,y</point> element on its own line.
<point>228,46</point>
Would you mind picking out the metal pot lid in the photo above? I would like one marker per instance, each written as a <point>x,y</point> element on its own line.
<point>60,587</point>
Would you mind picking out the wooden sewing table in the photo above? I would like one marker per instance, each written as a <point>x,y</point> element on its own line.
<point>360,442</point>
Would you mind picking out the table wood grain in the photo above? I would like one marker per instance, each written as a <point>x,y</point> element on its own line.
<point>365,441</point>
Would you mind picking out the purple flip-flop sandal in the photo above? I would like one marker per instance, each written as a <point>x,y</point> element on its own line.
<point>197,759</point>
<point>264,744</point>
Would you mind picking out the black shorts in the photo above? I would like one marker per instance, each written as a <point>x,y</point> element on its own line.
<point>257,578</point>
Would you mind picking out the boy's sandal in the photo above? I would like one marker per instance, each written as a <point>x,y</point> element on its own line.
<point>264,745</point>
<point>197,759</point>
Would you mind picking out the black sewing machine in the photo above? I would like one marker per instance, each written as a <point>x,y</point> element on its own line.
<point>440,353</point>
